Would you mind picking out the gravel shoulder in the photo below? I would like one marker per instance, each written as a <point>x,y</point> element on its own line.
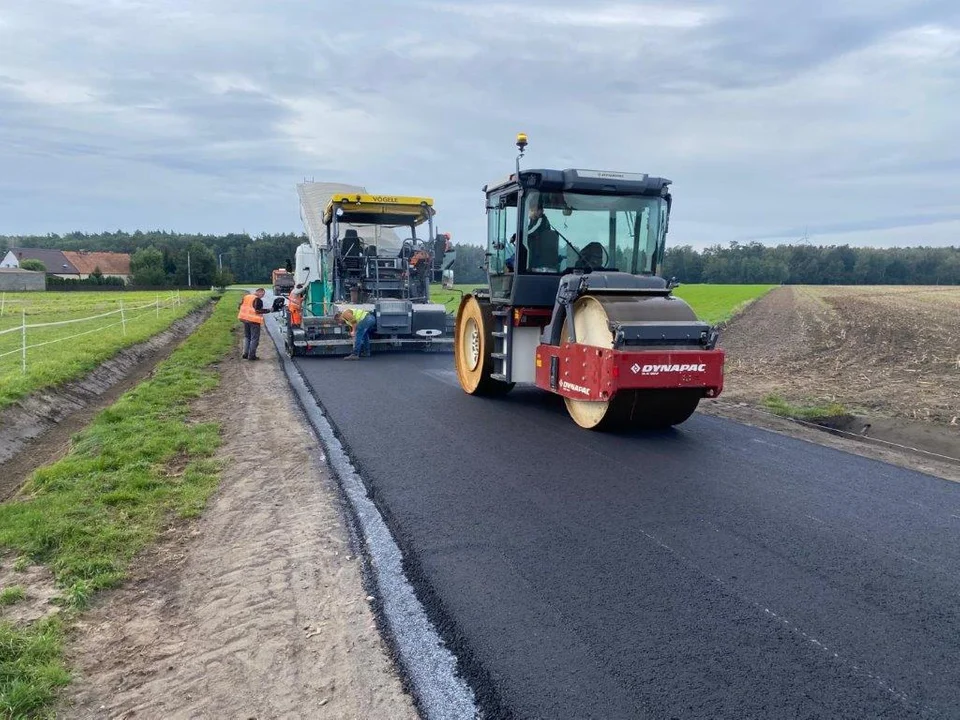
<point>258,609</point>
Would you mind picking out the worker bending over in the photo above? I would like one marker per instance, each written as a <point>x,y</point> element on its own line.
<point>251,314</point>
<point>362,323</point>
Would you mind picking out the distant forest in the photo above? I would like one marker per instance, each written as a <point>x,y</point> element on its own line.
<point>814,265</point>
<point>160,258</point>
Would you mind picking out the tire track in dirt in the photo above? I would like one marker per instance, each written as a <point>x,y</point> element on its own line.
<point>258,610</point>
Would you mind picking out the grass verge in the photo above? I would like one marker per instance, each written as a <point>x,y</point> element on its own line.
<point>31,667</point>
<point>68,352</point>
<point>810,413</point>
<point>138,463</point>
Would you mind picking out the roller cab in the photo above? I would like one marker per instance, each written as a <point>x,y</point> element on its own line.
<point>575,304</point>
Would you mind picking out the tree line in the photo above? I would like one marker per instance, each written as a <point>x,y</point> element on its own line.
<point>159,259</point>
<point>787,264</point>
<point>813,265</point>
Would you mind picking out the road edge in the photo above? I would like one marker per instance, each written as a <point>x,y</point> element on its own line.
<point>865,447</point>
<point>429,667</point>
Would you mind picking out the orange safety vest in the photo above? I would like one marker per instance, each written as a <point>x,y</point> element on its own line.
<point>247,312</point>
<point>295,303</point>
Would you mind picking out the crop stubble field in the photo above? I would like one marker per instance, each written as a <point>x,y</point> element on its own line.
<point>97,339</point>
<point>889,351</point>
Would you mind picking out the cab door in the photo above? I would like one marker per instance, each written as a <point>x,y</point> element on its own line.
<point>501,242</point>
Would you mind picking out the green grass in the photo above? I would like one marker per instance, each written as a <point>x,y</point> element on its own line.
<point>810,413</point>
<point>718,303</point>
<point>450,298</point>
<point>12,595</point>
<point>31,668</point>
<point>711,303</point>
<point>137,464</point>
<point>65,360</point>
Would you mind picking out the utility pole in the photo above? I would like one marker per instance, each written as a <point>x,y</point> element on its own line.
<point>220,261</point>
<point>189,283</point>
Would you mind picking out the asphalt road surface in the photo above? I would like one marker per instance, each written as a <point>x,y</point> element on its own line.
<point>712,571</point>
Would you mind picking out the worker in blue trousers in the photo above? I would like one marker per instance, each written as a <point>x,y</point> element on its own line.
<point>362,323</point>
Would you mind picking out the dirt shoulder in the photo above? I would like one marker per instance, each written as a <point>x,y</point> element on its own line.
<point>888,356</point>
<point>258,609</point>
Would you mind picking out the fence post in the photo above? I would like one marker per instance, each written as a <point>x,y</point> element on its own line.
<point>23,341</point>
<point>3,303</point>
<point>158,306</point>
<point>123,318</point>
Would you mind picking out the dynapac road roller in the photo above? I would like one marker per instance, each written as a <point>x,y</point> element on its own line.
<point>574,303</point>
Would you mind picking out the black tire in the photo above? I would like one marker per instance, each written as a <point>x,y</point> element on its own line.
<point>473,347</point>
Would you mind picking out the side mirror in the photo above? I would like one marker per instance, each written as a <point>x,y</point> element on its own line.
<point>448,279</point>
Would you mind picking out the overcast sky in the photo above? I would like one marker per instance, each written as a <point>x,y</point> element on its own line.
<point>773,119</point>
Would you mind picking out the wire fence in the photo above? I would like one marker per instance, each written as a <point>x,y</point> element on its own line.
<point>121,317</point>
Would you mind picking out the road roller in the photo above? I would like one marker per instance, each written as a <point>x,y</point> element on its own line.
<point>575,304</point>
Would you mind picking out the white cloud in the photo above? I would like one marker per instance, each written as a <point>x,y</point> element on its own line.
<point>49,90</point>
<point>532,15</point>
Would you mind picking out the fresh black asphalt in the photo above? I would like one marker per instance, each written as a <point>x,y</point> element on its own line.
<point>712,571</point>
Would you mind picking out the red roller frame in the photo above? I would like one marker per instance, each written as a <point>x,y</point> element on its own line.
<point>592,373</point>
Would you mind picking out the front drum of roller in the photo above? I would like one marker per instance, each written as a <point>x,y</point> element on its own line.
<point>628,408</point>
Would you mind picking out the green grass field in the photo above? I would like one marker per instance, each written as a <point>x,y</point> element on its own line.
<point>711,303</point>
<point>59,359</point>
<point>716,303</point>
<point>85,516</point>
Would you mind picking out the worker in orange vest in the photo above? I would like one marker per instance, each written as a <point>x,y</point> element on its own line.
<point>295,304</point>
<point>251,314</point>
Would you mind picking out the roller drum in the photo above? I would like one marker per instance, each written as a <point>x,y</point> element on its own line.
<point>628,408</point>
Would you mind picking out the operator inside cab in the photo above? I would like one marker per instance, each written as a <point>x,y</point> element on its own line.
<point>542,240</point>
<point>540,249</point>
